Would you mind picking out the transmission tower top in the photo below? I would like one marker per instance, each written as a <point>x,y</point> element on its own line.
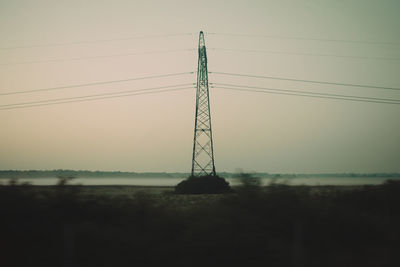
<point>201,40</point>
<point>203,150</point>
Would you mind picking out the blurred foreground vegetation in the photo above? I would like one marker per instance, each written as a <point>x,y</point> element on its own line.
<point>277,225</point>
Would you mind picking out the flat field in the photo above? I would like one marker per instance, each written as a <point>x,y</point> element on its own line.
<point>278,225</point>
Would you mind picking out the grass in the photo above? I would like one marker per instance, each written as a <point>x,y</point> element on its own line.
<point>278,225</point>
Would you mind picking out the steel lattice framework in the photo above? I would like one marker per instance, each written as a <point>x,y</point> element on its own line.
<point>203,151</point>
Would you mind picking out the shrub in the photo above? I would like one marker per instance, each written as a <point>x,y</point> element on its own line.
<point>249,181</point>
<point>203,185</point>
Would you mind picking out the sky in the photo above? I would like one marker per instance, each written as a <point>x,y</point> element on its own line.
<point>49,44</point>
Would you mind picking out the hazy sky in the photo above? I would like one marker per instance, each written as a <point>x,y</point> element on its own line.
<point>154,132</point>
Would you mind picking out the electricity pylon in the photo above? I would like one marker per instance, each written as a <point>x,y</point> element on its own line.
<point>203,151</point>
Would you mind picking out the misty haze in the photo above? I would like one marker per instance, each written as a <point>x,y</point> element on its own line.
<point>211,133</point>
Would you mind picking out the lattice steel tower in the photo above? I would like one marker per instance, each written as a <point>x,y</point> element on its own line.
<point>203,152</point>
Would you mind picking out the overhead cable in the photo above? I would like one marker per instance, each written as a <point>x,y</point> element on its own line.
<point>304,54</point>
<point>304,95</point>
<point>306,81</point>
<point>97,41</point>
<point>307,92</point>
<point>95,57</point>
<point>96,83</point>
<point>91,98</point>
<point>305,38</point>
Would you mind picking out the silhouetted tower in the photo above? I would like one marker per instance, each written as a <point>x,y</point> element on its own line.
<point>203,152</point>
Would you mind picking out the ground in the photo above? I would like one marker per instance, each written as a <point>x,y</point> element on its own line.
<point>278,225</point>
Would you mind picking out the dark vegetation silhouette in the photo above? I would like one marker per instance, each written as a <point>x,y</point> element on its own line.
<point>277,225</point>
<point>207,184</point>
<point>7,174</point>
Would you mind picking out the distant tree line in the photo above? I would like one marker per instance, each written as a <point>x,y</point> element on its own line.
<point>10,174</point>
<point>82,173</point>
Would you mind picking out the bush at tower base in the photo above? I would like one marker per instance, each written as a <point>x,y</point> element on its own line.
<point>207,184</point>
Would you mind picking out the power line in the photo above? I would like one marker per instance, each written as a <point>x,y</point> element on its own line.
<point>96,95</point>
<point>95,57</point>
<point>99,98</point>
<point>61,101</point>
<point>304,38</point>
<point>96,83</point>
<point>306,81</point>
<point>302,54</point>
<point>97,41</point>
<point>308,92</point>
<point>305,95</point>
